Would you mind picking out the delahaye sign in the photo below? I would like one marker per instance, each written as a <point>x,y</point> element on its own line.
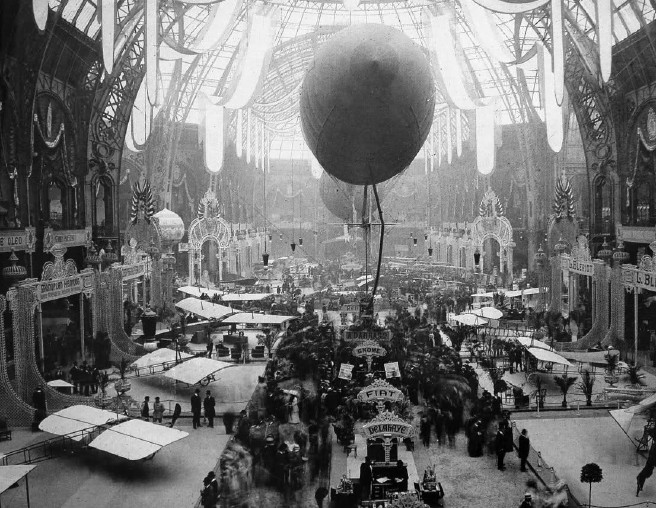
<point>387,424</point>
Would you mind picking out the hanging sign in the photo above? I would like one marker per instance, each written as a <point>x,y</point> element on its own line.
<point>23,240</point>
<point>365,335</point>
<point>392,370</point>
<point>61,288</point>
<point>345,371</point>
<point>645,280</point>
<point>369,348</point>
<point>387,423</point>
<point>66,237</point>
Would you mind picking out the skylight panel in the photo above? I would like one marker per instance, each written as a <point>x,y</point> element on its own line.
<point>70,10</point>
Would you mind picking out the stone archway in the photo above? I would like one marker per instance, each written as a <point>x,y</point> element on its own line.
<point>491,223</point>
<point>207,226</point>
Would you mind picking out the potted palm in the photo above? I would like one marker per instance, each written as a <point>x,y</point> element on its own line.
<point>122,385</point>
<point>636,378</point>
<point>564,383</point>
<point>586,385</point>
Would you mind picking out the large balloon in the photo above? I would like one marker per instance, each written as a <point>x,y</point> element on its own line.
<point>343,199</point>
<point>367,103</point>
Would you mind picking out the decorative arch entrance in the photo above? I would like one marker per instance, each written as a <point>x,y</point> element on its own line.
<point>491,223</point>
<point>207,226</point>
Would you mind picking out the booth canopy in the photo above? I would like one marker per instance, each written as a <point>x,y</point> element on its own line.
<point>204,308</point>
<point>59,383</point>
<point>74,419</point>
<point>197,291</point>
<point>470,320</point>
<point>11,474</point>
<point>250,318</point>
<point>487,313</point>
<point>196,370</point>
<point>548,356</point>
<point>136,439</point>
<point>244,297</point>
<point>158,357</point>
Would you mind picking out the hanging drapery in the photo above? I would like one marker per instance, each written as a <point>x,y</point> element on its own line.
<point>108,26</point>
<point>263,141</point>
<point>605,37</point>
<point>40,10</point>
<point>439,138</point>
<point>558,49</point>
<point>458,118</point>
<point>486,31</point>
<point>485,145</point>
<point>140,121</point>
<point>214,136</point>
<point>239,137</point>
<point>254,56</point>
<point>249,128</point>
<point>449,137</point>
<point>152,23</point>
<point>553,112</point>
<point>256,144</point>
<point>216,30</point>
<point>512,6</point>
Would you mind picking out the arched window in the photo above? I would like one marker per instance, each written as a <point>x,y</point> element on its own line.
<point>55,205</point>
<point>603,206</point>
<point>103,206</point>
<point>643,204</point>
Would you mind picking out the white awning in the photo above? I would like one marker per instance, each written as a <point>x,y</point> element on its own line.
<point>530,342</point>
<point>59,383</point>
<point>136,439</point>
<point>158,357</point>
<point>75,419</point>
<point>204,308</point>
<point>11,474</point>
<point>548,356</point>
<point>197,291</point>
<point>245,297</point>
<point>470,320</point>
<point>591,357</point>
<point>487,313</point>
<point>196,370</point>
<point>250,318</point>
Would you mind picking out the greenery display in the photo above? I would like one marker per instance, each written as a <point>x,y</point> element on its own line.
<point>591,473</point>
<point>586,385</point>
<point>564,383</point>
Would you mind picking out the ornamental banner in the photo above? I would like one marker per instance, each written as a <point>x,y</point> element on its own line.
<point>578,266</point>
<point>387,424</point>
<point>66,237</point>
<point>18,240</point>
<point>133,271</point>
<point>59,288</point>
<point>345,371</point>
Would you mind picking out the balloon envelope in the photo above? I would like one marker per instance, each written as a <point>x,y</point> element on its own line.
<point>367,103</point>
<point>342,198</point>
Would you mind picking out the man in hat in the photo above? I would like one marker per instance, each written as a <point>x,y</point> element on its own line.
<point>528,501</point>
<point>209,405</point>
<point>196,405</point>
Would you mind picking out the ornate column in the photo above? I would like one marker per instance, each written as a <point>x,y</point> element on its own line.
<point>556,288</point>
<point>600,304</point>
<point>511,259</point>
<point>81,300</point>
<point>156,282</point>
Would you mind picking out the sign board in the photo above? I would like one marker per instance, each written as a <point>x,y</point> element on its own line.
<point>369,348</point>
<point>64,287</point>
<point>363,335</point>
<point>352,308</point>
<point>66,237</point>
<point>18,240</point>
<point>183,247</point>
<point>345,371</point>
<point>578,266</point>
<point>642,279</point>
<point>133,271</point>
<point>380,390</point>
<point>392,370</point>
<point>387,424</point>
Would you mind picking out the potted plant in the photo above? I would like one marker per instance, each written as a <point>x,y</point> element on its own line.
<point>586,385</point>
<point>591,473</point>
<point>122,385</point>
<point>102,399</point>
<point>564,383</point>
<point>636,378</point>
<point>149,323</point>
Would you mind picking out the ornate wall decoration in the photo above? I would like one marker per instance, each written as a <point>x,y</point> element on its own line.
<point>490,205</point>
<point>563,204</point>
<point>143,204</point>
<point>581,250</point>
<point>59,268</point>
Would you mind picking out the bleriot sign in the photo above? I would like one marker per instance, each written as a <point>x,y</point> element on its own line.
<point>17,240</point>
<point>645,280</point>
<point>580,267</point>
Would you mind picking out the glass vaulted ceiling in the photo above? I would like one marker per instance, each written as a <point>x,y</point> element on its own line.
<point>306,23</point>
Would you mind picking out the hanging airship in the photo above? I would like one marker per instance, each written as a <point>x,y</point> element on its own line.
<point>367,103</point>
